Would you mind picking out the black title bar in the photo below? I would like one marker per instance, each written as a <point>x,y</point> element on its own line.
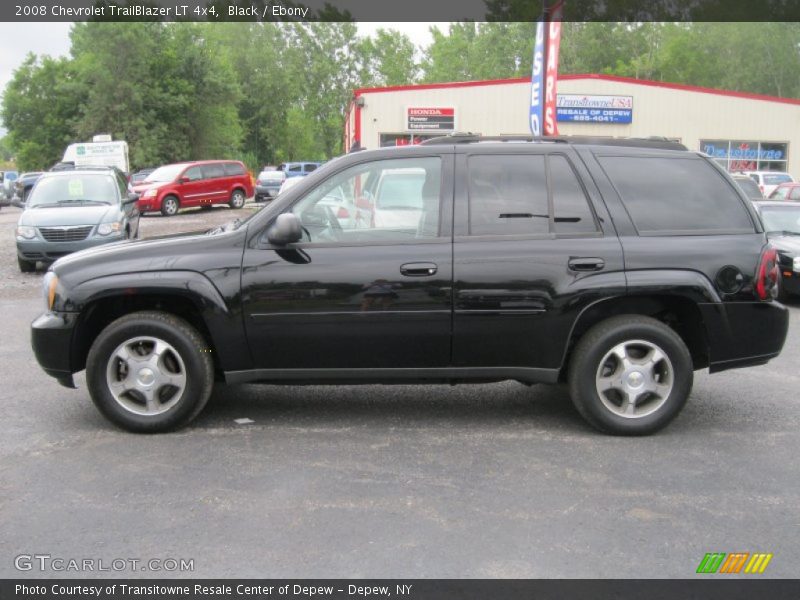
<point>387,11</point>
<point>707,588</point>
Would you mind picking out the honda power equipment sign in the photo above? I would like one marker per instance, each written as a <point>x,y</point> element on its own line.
<point>431,118</point>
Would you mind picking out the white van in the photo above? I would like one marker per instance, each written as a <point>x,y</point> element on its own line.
<point>101,151</point>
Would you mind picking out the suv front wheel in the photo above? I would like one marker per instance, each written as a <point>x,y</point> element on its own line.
<point>149,372</point>
<point>630,375</point>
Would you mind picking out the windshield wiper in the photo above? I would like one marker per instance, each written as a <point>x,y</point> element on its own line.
<point>83,201</point>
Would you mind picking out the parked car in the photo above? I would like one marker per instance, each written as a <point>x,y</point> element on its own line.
<point>768,180</point>
<point>25,183</point>
<point>618,267</point>
<point>140,175</point>
<point>782,224</point>
<point>9,178</point>
<point>786,191</point>
<point>289,183</point>
<point>749,187</point>
<point>268,184</point>
<point>298,169</point>
<point>73,210</point>
<point>201,183</point>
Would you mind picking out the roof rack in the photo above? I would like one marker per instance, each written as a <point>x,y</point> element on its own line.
<point>472,138</point>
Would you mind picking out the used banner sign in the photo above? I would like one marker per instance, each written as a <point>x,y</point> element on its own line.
<point>556,13</point>
<point>537,81</point>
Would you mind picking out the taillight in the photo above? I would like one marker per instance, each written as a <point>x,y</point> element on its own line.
<point>761,187</point>
<point>342,213</point>
<point>767,274</point>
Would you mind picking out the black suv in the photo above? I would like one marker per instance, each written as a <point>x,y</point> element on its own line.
<point>616,266</point>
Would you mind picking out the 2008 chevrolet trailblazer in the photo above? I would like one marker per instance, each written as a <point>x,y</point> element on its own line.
<point>617,266</point>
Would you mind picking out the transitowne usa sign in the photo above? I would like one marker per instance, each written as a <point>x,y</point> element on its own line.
<point>420,118</point>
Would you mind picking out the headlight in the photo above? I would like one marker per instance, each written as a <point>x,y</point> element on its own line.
<point>49,285</point>
<point>26,232</point>
<point>150,193</point>
<point>796,264</point>
<point>108,228</point>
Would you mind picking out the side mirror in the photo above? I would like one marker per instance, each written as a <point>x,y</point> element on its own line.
<point>131,198</point>
<point>285,230</point>
<point>184,180</point>
<point>364,203</point>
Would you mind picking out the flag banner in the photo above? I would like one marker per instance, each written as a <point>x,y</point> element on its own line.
<point>556,14</point>
<point>537,81</point>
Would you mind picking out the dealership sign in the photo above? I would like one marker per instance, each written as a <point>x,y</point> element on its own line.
<point>430,118</point>
<point>594,109</point>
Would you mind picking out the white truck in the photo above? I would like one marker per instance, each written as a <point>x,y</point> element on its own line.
<point>101,151</point>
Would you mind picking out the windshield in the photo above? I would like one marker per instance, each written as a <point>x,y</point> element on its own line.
<point>749,187</point>
<point>74,189</point>
<point>777,178</point>
<point>167,173</point>
<point>271,176</point>
<point>779,218</point>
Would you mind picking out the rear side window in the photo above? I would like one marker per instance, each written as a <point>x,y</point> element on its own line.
<point>571,212</point>
<point>234,169</point>
<point>310,167</point>
<point>508,195</point>
<point>213,170</point>
<point>676,195</point>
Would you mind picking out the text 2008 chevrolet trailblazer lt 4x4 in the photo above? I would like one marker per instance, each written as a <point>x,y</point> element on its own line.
<point>616,266</point>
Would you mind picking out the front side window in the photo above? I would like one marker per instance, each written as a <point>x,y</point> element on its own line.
<point>676,195</point>
<point>380,201</point>
<point>193,174</point>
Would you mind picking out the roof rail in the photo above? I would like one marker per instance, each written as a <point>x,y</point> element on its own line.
<point>648,142</point>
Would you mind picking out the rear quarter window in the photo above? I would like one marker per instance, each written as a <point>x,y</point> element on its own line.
<point>666,195</point>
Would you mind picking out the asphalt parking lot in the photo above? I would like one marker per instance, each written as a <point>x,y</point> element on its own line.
<point>494,480</point>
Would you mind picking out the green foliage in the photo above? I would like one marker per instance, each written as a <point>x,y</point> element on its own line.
<point>276,91</point>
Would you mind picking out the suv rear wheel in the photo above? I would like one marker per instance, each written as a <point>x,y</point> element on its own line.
<point>149,372</point>
<point>237,199</point>
<point>170,206</point>
<point>630,375</point>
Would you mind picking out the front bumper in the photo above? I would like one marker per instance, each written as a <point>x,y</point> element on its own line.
<point>744,334</point>
<point>51,339</point>
<point>38,249</point>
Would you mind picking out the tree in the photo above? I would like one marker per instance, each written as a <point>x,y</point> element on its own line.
<point>38,109</point>
<point>388,59</point>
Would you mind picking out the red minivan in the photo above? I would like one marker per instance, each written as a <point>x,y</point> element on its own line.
<point>200,183</point>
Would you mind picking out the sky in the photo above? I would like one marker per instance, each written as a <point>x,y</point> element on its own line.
<point>17,39</point>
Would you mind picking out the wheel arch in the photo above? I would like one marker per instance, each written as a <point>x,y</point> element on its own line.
<point>189,296</point>
<point>680,312</point>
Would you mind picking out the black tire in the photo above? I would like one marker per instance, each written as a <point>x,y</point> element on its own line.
<point>593,352</point>
<point>26,266</point>
<point>237,199</point>
<point>183,339</point>
<point>170,206</point>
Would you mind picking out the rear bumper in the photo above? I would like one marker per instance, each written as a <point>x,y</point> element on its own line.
<point>744,334</point>
<point>51,339</point>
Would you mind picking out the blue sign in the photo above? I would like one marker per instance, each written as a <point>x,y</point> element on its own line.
<point>537,82</point>
<point>595,115</point>
<point>744,151</point>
